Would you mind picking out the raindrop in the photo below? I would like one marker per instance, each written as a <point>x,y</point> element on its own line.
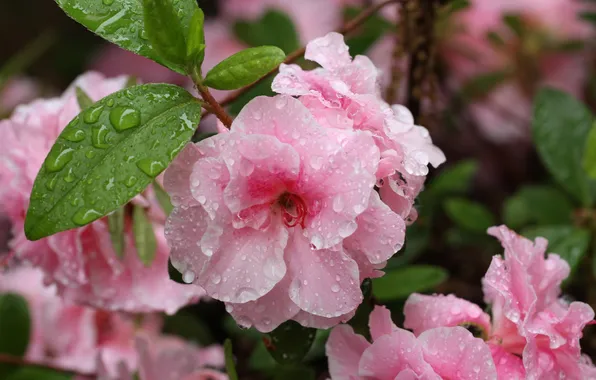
<point>110,101</point>
<point>108,2</point>
<point>188,276</point>
<point>150,166</point>
<point>123,118</point>
<point>58,158</point>
<point>52,183</point>
<point>281,102</point>
<point>92,114</point>
<point>335,288</point>
<point>338,203</point>
<point>216,279</point>
<point>131,181</point>
<point>98,138</point>
<point>86,216</point>
<point>74,135</point>
<point>90,154</point>
<point>70,177</point>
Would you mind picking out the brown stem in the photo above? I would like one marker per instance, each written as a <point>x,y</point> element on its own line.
<point>9,359</point>
<point>346,28</point>
<point>214,106</point>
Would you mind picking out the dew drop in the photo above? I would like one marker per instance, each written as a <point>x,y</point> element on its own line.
<point>90,154</point>
<point>131,181</point>
<point>281,102</point>
<point>52,183</point>
<point>338,203</point>
<point>216,279</point>
<point>58,158</point>
<point>70,177</point>
<point>85,216</point>
<point>92,114</point>
<point>123,118</point>
<point>335,288</point>
<point>108,2</point>
<point>150,166</point>
<point>74,135</point>
<point>188,276</point>
<point>99,135</point>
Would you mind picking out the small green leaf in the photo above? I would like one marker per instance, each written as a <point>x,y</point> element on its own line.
<point>230,365</point>
<point>244,68</point>
<point>116,228</point>
<point>195,45</point>
<point>274,28</point>
<point>145,241</point>
<point>370,32</point>
<point>83,99</point>
<point>537,204</point>
<point>495,39</point>
<point>398,284</point>
<point>37,373</point>
<point>15,328</point>
<point>121,22</point>
<point>471,216</point>
<point>515,23</point>
<point>589,161</point>
<point>458,5</point>
<point>571,243</point>
<point>187,325</point>
<point>131,81</point>
<point>588,16</point>
<point>454,179</point>
<point>162,198</point>
<point>108,154</point>
<point>560,127</point>
<point>483,84</point>
<point>166,33</point>
<point>290,342</point>
<point>260,359</point>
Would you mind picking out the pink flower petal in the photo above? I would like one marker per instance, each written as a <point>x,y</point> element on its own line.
<point>330,51</point>
<point>344,349</point>
<point>508,366</point>
<point>380,322</point>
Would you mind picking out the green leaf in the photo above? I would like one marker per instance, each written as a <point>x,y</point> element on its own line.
<point>164,30</point>
<point>108,154</point>
<point>294,373</point>
<point>162,198</point>
<point>571,243</point>
<point>458,5</point>
<point>560,127</point>
<point>417,240</point>
<point>290,342</point>
<point>515,23</point>
<point>145,241</point>
<point>359,321</point>
<point>589,160</point>
<point>454,179</point>
<point>371,30</point>
<point>195,46</point>
<point>15,328</point>
<point>121,22</point>
<point>483,84</point>
<point>83,99</point>
<point>37,373</point>
<point>471,216</point>
<point>537,204</point>
<point>116,228</point>
<point>188,326</point>
<point>400,283</point>
<point>274,28</point>
<point>588,16</point>
<point>230,365</point>
<point>260,359</point>
<point>244,68</point>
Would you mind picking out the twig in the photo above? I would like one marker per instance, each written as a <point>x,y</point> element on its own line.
<point>9,359</point>
<point>346,28</point>
<point>213,105</point>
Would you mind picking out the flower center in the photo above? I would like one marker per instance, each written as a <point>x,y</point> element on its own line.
<point>293,209</point>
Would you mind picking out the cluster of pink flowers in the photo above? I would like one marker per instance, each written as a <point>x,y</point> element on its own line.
<point>89,341</point>
<point>534,334</point>
<point>279,218</point>
<point>81,262</point>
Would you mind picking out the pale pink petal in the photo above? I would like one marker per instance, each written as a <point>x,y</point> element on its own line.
<point>424,312</point>
<point>330,51</point>
<point>344,349</point>
<point>318,322</point>
<point>455,354</point>
<point>508,366</point>
<point>380,322</point>
<point>177,176</point>
<point>324,282</point>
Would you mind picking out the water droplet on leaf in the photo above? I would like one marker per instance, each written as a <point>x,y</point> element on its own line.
<point>123,118</point>
<point>86,216</point>
<point>58,158</point>
<point>92,114</point>
<point>150,166</point>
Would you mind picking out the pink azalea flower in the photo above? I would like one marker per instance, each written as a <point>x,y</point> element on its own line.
<point>345,94</point>
<point>438,353</point>
<point>67,335</point>
<point>533,334</point>
<point>168,358</point>
<point>81,262</point>
<point>273,217</point>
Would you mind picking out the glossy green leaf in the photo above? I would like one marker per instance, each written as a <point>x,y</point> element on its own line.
<point>230,364</point>
<point>83,99</point>
<point>244,67</point>
<point>569,242</point>
<point>37,373</point>
<point>15,328</point>
<point>361,40</point>
<point>145,242</point>
<point>162,198</point>
<point>294,373</point>
<point>121,22</point>
<point>471,216</point>
<point>537,204</point>
<point>195,41</point>
<point>398,284</point>
<point>589,160</point>
<point>108,154</point>
<point>275,28</point>
<point>454,179</point>
<point>164,29</point>
<point>560,127</point>
<point>187,325</point>
<point>290,342</point>
<point>116,228</point>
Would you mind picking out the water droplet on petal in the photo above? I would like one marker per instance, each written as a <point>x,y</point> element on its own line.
<point>188,276</point>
